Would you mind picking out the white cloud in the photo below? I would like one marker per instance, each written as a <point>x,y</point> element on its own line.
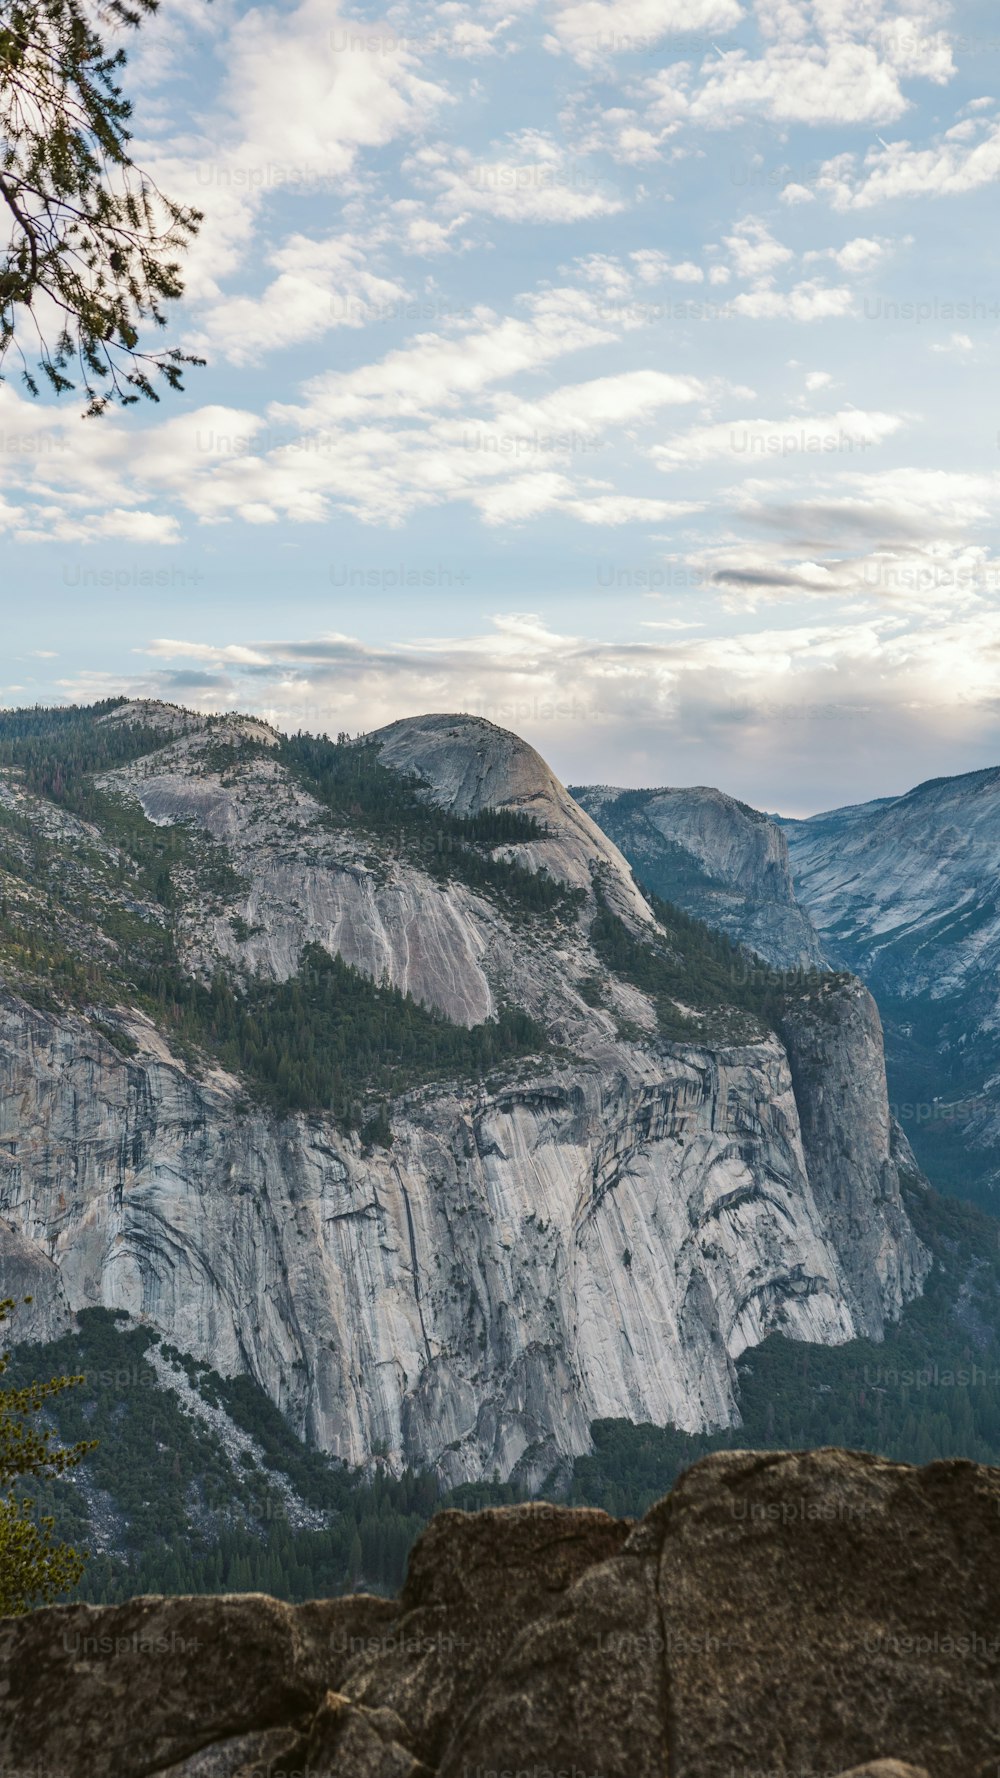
<point>320,285</point>
<point>609,274</point>
<point>438,371</point>
<point>755,442</point>
<point>809,301</point>
<point>948,169</point>
<point>754,252</point>
<point>899,506</point>
<point>432,422</point>
<point>49,524</point>
<point>628,509</point>
<point>605,401</point>
<point>859,255</point>
<point>230,653</point>
<point>531,178</point>
<point>958,345</point>
<point>653,267</point>
<point>837,80</point>
<point>296,110</point>
<point>592,31</point>
<point>310,88</point>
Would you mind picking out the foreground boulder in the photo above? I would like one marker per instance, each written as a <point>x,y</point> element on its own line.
<point>790,1612</point>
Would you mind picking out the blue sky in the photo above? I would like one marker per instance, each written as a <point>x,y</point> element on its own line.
<point>621,370</point>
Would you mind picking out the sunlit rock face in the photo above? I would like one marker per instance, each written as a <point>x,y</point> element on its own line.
<point>598,1232</point>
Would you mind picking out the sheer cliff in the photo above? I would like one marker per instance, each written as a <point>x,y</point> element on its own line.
<point>900,891</point>
<point>714,856</point>
<point>904,891</point>
<point>520,1165</point>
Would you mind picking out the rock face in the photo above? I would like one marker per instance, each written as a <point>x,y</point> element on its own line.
<point>790,1612</point>
<point>714,857</point>
<point>464,1296</point>
<point>904,892</point>
<point>596,1233</point>
<point>470,765</point>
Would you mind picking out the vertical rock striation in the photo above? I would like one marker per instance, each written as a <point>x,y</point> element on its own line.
<point>595,1232</point>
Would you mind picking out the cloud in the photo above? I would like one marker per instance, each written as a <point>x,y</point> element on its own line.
<point>441,419</point>
<point>808,301</point>
<point>304,95</point>
<point>602,402</point>
<point>860,255</point>
<point>321,284</point>
<point>891,506</point>
<point>838,79</point>
<point>50,524</point>
<point>592,31</point>
<point>754,252</point>
<point>949,168</point>
<point>781,715</point>
<point>345,88</point>
<point>653,267</point>
<point>755,442</point>
<point>531,178</point>
<point>437,370</point>
<point>958,345</point>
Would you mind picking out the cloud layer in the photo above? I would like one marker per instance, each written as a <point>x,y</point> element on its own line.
<point>694,290</point>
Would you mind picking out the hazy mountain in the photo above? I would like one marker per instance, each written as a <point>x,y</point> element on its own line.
<point>901,891</point>
<point>906,892</point>
<point>717,858</point>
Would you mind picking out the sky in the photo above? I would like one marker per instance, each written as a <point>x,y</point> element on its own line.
<point>622,371</point>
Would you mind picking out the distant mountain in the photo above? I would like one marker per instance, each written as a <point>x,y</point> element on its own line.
<point>906,892</point>
<point>717,858</point>
<point>364,1069</point>
<point>903,892</point>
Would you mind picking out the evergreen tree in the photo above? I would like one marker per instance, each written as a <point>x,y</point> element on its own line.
<point>91,240</point>
<point>34,1567</point>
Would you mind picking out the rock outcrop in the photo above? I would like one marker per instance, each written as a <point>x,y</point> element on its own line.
<point>595,1232</point>
<point>788,1612</point>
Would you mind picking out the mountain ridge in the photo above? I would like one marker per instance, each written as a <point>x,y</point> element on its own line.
<point>462,1272</point>
<point>721,860</point>
<point>900,891</point>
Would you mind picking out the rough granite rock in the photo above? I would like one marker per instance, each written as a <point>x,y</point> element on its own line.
<point>474,1581</point>
<point>788,1612</point>
<point>596,1233</point>
<point>350,1741</point>
<point>583,1688</point>
<point>264,1753</point>
<point>28,1273</point>
<point>119,1691</point>
<point>886,1768</point>
<point>853,1148</point>
<point>795,1613</point>
<point>903,891</point>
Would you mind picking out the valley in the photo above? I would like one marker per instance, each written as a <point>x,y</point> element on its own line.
<point>412,1150</point>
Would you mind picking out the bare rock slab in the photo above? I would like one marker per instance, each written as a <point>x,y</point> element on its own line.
<point>777,1613</point>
